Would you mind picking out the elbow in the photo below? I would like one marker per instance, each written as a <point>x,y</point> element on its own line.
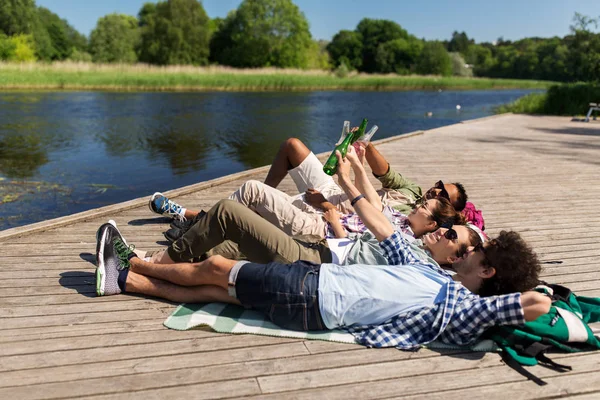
<point>535,305</point>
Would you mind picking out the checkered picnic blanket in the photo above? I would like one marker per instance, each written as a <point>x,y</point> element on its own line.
<point>228,318</point>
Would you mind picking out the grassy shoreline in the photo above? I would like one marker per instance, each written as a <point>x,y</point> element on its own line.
<point>87,76</point>
<point>567,99</point>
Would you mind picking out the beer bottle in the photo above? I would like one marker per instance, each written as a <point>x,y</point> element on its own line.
<point>331,164</point>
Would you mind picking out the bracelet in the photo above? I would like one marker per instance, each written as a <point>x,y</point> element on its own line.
<point>357,198</point>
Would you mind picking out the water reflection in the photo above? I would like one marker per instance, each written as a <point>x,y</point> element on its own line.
<point>23,150</point>
<point>66,152</point>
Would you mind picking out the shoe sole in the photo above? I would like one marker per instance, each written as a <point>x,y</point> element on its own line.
<point>151,200</point>
<point>101,269</point>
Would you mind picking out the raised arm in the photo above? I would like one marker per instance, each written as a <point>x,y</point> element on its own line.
<point>361,179</point>
<point>374,220</point>
<point>377,162</point>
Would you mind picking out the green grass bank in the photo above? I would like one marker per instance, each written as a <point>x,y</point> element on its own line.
<point>76,76</point>
<point>569,99</point>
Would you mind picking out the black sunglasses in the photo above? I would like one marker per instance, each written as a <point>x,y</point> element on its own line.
<point>450,233</point>
<point>479,247</point>
<point>443,192</point>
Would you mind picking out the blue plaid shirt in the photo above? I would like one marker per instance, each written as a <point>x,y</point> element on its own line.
<point>460,319</point>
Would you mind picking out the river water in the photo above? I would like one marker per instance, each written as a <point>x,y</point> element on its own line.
<point>66,152</point>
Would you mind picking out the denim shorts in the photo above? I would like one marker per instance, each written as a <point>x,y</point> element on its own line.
<point>286,293</point>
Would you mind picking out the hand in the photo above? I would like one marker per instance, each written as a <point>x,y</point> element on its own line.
<point>343,169</point>
<point>314,198</point>
<point>353,157</point>
<point>331,215</point>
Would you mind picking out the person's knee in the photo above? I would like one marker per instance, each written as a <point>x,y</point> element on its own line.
<point>296,151</point>
<point>226,205</point>
<point>217,265</point>
<point>252,188</point>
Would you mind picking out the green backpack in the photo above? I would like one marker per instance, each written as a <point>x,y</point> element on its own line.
<point>565,328</point>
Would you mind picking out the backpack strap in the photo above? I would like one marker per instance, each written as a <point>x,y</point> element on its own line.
<point>548,363</point>
<point>514,364</point>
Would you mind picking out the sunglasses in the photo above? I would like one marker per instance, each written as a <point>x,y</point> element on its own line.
<point>479,247</point>
<point>443,192</point>
<point>450,233</point>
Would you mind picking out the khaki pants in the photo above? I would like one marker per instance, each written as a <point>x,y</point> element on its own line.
<point>257,239</point>
<point>277,208</point>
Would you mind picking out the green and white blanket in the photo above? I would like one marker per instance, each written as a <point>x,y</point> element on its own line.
<point>227,318</point>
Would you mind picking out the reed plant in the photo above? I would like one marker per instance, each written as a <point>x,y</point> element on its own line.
<point>89,76</point>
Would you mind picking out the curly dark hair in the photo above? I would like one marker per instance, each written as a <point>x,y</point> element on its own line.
<point>461,201</point>
<point>517,266</point>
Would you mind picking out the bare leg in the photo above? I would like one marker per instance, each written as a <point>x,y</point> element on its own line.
<point>137,283</point>
<point>212,271</point>
<point>377,162</point>
<point>291,154</point>
<point>190,214</point>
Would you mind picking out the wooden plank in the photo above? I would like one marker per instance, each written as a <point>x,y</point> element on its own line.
<point>140,351</point>
<point>489,380</point>
<point>101,340</point>
<point>153,372</point>
<point>92,318</point>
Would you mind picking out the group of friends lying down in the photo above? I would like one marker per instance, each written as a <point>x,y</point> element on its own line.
<point>395,266</point>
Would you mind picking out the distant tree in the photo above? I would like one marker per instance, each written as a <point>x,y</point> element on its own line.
<point>17,16</point>
<point>553,57</point>
<point>399,55</point>
<point>174,32</point>
<point>434,60</point>
<point>583,61</point>
<point>480,58</point>
<point>375,32</point>
<point>60,46</point>
<point>583,23</point>
<point>460,43</point>
<point>346,47</point>
<point>263,33</point>
<point>317,55</point>
<point>114,39</point>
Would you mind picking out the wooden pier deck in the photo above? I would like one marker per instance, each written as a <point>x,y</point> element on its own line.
<point>536,175</point>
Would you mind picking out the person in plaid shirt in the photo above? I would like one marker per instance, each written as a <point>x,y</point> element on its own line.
<point>408,303</point>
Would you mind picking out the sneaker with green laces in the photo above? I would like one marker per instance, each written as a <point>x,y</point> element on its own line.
<point>113,256</point>
<point>161,204</point>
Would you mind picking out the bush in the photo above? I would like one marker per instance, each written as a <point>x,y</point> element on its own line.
<point>459,66</point>
<point>7,47</point>
<point>80,56</point>
<point>19,48</point>
<point>342,71</point>
<point>570,99</point>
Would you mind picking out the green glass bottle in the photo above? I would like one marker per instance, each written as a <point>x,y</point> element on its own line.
<point>331,164</point>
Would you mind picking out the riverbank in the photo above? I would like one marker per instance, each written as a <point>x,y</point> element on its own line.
<point>87,76</point>
<point>568,99</point>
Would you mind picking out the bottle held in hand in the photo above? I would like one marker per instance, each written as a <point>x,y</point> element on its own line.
<point>366,138</point>
<point>331,164</point>
<point>345,132</point>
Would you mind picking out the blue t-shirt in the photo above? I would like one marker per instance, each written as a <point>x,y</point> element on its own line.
<point>371,294</point>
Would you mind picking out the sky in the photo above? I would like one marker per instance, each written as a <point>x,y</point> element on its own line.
<point>482,20</point>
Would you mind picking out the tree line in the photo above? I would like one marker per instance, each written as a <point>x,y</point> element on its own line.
<point>275,33</point>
